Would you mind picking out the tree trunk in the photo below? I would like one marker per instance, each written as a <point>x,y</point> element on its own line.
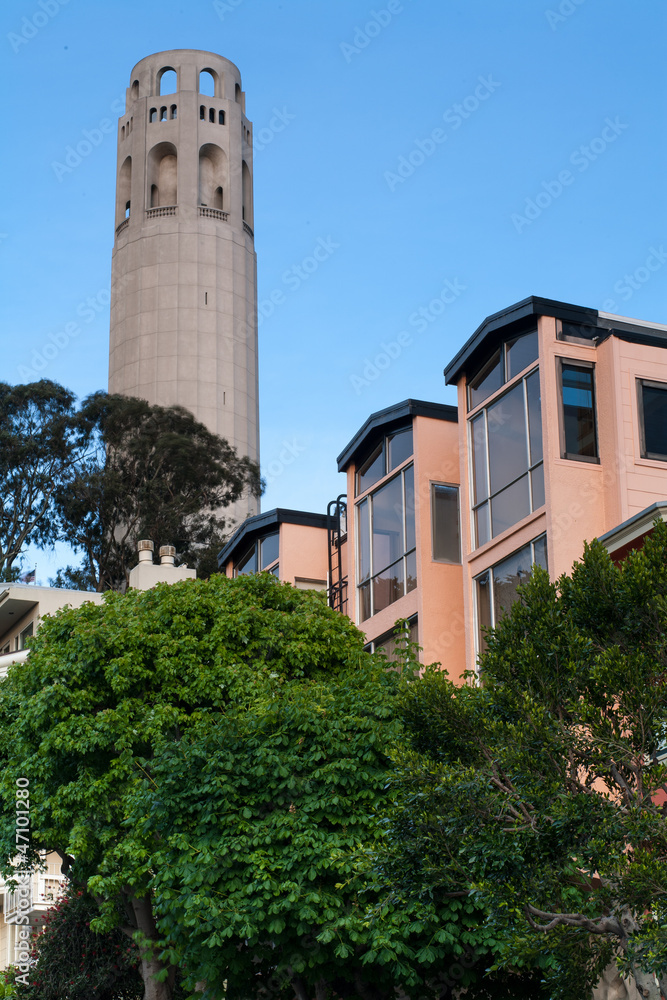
<point>647,985</point>
<point>150,964</point>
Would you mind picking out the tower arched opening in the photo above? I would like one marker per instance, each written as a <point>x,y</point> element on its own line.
<point>124,190</point>
<point>209,83</point>
<point>167,81</point>
<point>134,90</point>
<point>246,180</point>
<point>163,175</point>
<point>213,181</point>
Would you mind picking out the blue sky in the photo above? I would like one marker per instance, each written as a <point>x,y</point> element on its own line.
<point>454,157</point>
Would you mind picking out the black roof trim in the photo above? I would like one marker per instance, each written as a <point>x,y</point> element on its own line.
<point>390,415</point>
<point>534,305</point>
<point>253,527</point>
<point>652,334</point>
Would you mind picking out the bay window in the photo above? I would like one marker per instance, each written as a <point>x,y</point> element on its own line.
<point>507,470</point>
<point>386,547</point>
<point>496,587</point>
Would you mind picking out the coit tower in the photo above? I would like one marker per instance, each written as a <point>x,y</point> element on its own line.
<point>184,270</point>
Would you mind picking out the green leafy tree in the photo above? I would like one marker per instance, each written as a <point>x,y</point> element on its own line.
<point>148,472</point>
<point>72,962</point>
<point>105,685</point>
<point>38,447</point>
<point>540,794</point>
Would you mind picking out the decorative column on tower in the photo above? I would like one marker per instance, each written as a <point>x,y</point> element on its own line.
<point>184,269</point>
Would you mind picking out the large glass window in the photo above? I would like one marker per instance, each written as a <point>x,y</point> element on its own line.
<point>386,555</point>
<point>394,449</point>
<point>511,358</point>
<point>507,469</point>
<point>392,643</point>
<point>652,397</point>
<point>259,556</point>
<point>496,588</point>
<point>445,522</point>
<point>578,430</point>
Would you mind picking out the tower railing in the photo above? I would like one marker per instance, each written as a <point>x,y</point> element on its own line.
<point>155,213</point>
<point>213,213</point>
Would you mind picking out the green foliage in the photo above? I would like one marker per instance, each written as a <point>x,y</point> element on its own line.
<point>540,793</point>
<point>74,963</point>
<point>104,687</point>
<point>148,472</point>
<point>7,983</point>
<point>37,450</point>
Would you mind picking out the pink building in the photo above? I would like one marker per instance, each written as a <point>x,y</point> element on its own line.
<point>562,437</point>
<point>559,437</point>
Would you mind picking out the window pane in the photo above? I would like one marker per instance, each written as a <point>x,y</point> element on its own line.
<point>399,447</point>
<point>388,586</point>
<point>655,421</point>
<point>363,541</point>
<point>371,470</point>
<point>486,381</point>
<point>248,562</point>
<point>540,551</point>
<point>508,446</point>
<point>482,526</point>
<point>537,483</point>
<point>409,475</point>
<point>534,417</point>
<point>510,506</point>
<point>483,609</point>
<point>275,570</point>
<point>579,411</point>
<point>445,515</point>
<point>387,524</point>
<point>364,601</point>
<point>392,645</point>
<point>519,353</point>
<point>268,548</point>
<point>507,576</point>
<point>479,479</point>
<point>411,571</point>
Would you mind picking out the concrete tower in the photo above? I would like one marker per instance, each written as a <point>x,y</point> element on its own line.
<point>184,273</point>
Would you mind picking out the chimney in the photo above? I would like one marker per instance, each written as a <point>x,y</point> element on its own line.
<point>145,549</point>
<point>167,555</point>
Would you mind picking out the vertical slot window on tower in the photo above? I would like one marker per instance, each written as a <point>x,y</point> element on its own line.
<point>578,428</point>
<point>163,114</point>
<point>202,113</point>
<point>221,117</point>
<point>174,111</point>
<point>152,117</point>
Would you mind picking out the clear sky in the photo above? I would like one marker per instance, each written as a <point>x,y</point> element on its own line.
<point>452,157</point>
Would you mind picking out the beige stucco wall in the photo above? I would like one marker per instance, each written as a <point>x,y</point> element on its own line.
<point>303,553</point>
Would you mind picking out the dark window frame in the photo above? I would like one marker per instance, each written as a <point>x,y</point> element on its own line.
<point>531,468</point>
<point>480,642</point>
<point>650,384</point>
<point>255,549</point>
<point>450,486</point>
<point>564,454</point>
<point>381,446</point>
<point>500,352</point>
<point>365,508</point>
